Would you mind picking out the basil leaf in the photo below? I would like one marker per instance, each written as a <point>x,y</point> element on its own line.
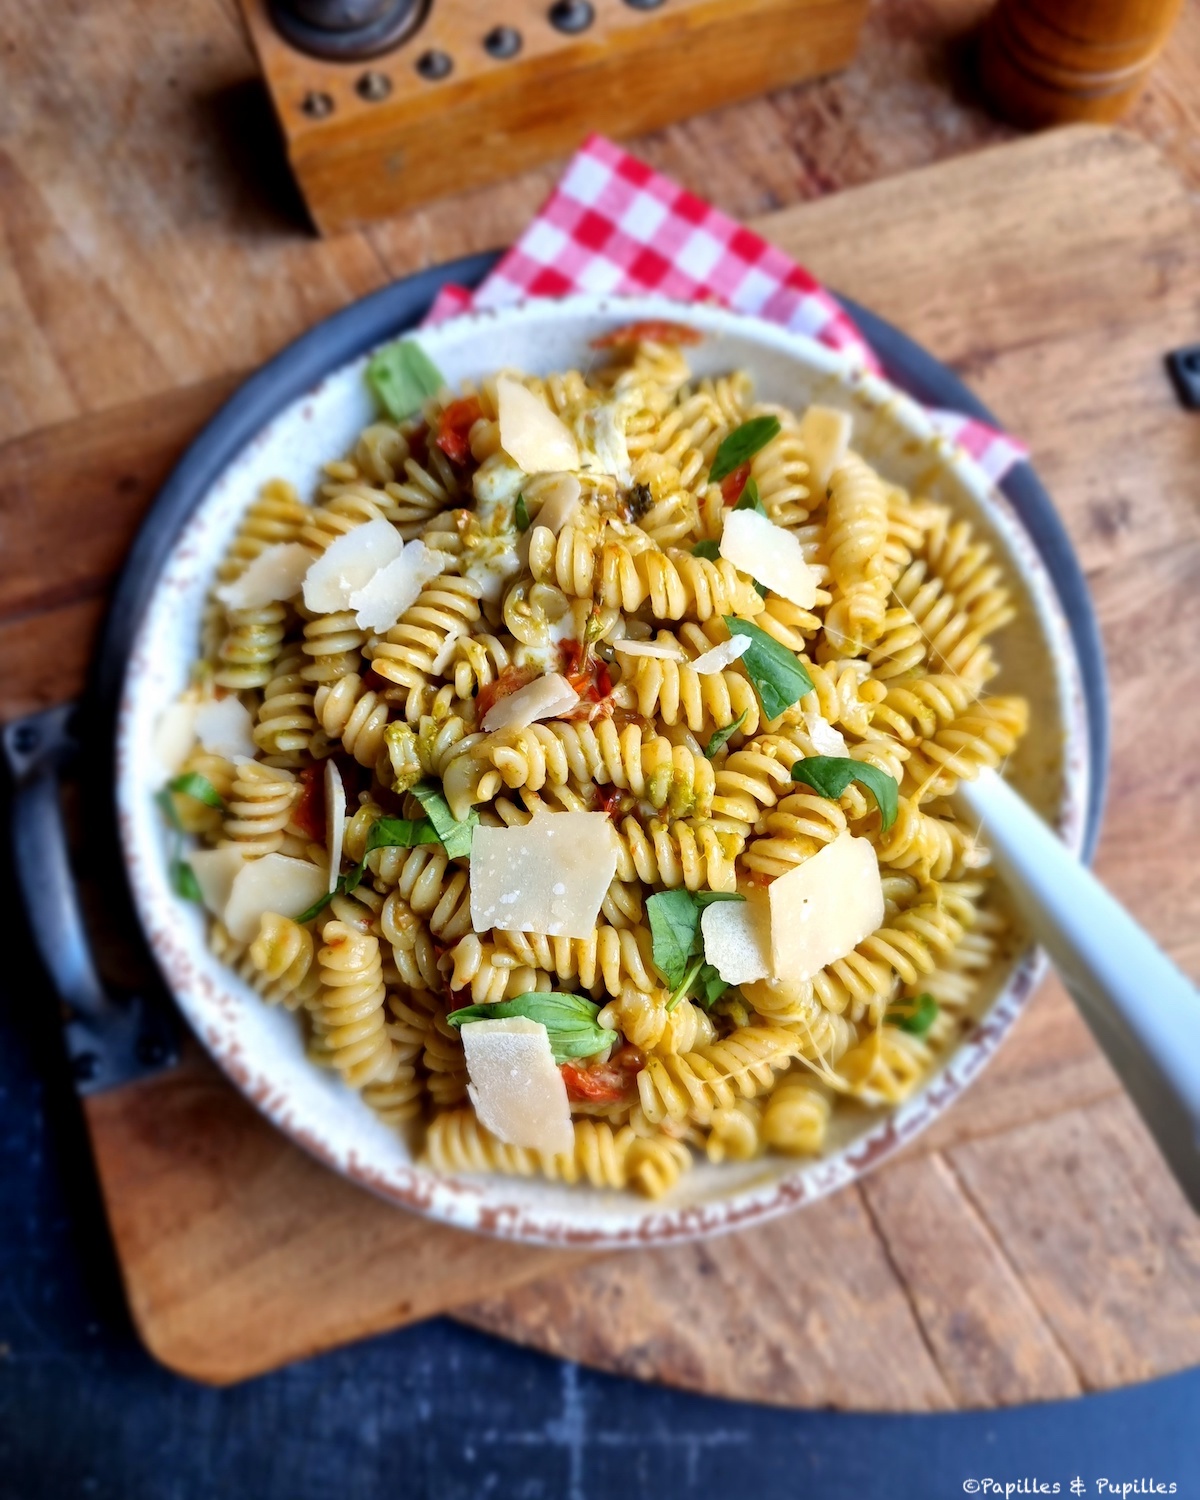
<point>675,928</point>
<point>685,983</point>
<point>708,550</point>
<point>710,898</point>
<point>918,1020</point>
<point>749,500</point>
<point>183,878</point>
<point>403,376</point>
<point>742,444</point>
<point>709,986</point>
<point>830,775</point>
<point>385,833</point>
<point>455,837</point>
<point>570,1021</point>
<point>521,514</point>
<point>759,588</point>
<point>192,784</point>
<point>318,907</point>
<point>778,678</point>
<point>723,736</point>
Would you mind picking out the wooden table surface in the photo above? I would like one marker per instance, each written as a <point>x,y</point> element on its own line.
<point>152,248</point>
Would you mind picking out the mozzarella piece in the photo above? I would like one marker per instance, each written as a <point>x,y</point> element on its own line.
<point>825,433</point>
<point>175,734</point>
<point>215,871</point>
<point>601,431</point>
<point>769,554</point>
<point>335,821</point>
<point>826,739</point>
<point>722,655</point>
<point>737,937</point>
<point>385,596</point>
<point>515,1086</point>
<point>276,573</point>
<point>224,727</point>
<point>822,910</point>
<point>549,876</point>
<point>543,698</point>
<point>659,649</point>
<point>496,480</point>
<point>530,433</point>
<point>561,502</point>
<point>348,563</point>
<point>277,883</point>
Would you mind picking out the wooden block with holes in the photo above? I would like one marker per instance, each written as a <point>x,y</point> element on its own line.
<point>475,93</point>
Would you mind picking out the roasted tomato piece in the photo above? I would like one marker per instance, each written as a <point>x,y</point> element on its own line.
<point>309,811</point>
<point>733,484</point>
<point>608,799</point>
<point>454,428</point>
<point>509,680</point>
<point>649,331</point>
<point>604,1083</point>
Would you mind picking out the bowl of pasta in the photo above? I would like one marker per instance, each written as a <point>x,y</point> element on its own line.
<point>536,767</point>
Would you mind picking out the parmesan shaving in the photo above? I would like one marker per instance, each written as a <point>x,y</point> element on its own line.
<point>335,821</point>
<point>822,910</point>
<point>737,937</point>
<point>649,648</point>
<point>276,882</point>
<point>215,871</point>
<point>530,433</point>
<point>276,573</point>
<point>561,502</point>
<point>544,698</point>
<point>722,656</point>
<point>175,734</point>
<point>603,448</point>
<point>825,433</point>
<point>769,554</point>
<point>349,563</point>
<point>825,738</point>
<point>515,1086</point>
<point>224,727</point>
<point>549,876</point>
<point>385,596</point>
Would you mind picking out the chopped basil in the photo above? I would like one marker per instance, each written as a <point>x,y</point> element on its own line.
<point>570,1021</point>
<point>917,1020</point>
<point>385,833</point>
<point>521,513</point>
<point>741,445</point>
<point>183,878</point>
<point>749,499</point>
<point>778,678</point>
<point>723,736</point>
<point>830,775</point>
<point>455,836</point>
<point>710,986</point>
<point>403,377</point>
<point>708,550</point>
<point>675,929</point>
<point>192,784</point>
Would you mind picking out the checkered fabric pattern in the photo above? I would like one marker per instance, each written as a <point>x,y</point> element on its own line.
<point>614,225</point>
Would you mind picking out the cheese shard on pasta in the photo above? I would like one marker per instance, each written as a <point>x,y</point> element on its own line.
<point>722,655</point>
<point>277,883</point>
<point>530,433</point>
<point>215,871</point>
<point>544,698</point>
<point>224,727</point>
<point>737,937</point>
<point>175,734</point>
<point>335,820</point>
<point>662,649</point>
<point>348,563</point>
<point>549,876</point>
<point>769,554</point>
<point>560,503</point>
<point>825,433</point>
<point>826,739</point>
<point>380,602</point>
<point>276,573</point>
<point>822,910</point>
<point>603,448</point>
<point>515,1086</point>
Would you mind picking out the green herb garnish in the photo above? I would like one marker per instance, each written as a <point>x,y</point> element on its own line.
<point>778,678</point>
<point>749,499</point>
<point>741,445</point>
<point>708,550</point>
<point>710,986</point>
<point>192,784</point>
<point>570,1021</point>
<point>182,876</point>
<point>521,513</point>
<point>675,928</point>
<point>830,775</point>
<point>918,1020</point>
<point>384,833</point>
<point>455,836</point>
<point>723,736</point>
<point>403,376</point>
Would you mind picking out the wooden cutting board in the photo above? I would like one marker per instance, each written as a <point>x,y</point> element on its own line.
<point>1031,1245</point>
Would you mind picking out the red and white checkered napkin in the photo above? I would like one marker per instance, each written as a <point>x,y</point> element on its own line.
<point>614,225</point>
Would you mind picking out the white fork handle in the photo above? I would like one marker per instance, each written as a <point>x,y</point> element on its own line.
<point>1139,1006</point>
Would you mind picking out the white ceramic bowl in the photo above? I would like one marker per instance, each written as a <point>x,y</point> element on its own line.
<point>260,1048</point>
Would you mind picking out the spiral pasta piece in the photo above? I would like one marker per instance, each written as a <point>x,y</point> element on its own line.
<point>348,1008</point>
<point>691,1085</point>
<point>282,954</point>
<point>259,807</point>
<point>286,721</point>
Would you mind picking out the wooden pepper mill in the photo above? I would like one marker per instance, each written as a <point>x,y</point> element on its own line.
<point>1045,62</point>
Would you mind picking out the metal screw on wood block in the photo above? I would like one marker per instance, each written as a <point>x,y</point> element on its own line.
<point>572,16</point>
<point>373,87</point>
<point>434,66</point>
<point>347,29</point>
<point>643,4</point>
<point>1184,365</point>
<point>503,42</point>
<point>317,106</point>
